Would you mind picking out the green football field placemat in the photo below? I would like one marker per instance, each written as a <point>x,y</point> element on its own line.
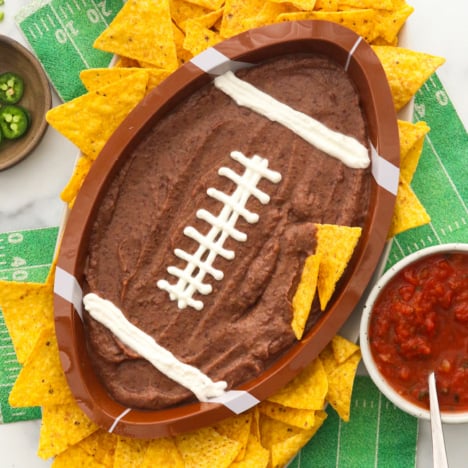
<point>441,179</point>
<point>25,256</point>
<point>61,34</point>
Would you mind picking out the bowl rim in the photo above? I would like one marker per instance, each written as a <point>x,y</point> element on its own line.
<point>41,77</point>
<point>248,47</point>
<point>368,361</point>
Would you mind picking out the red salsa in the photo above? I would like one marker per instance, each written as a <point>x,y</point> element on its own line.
<point>420,324</point>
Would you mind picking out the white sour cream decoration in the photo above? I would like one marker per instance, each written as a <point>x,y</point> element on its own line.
<point>223,226</point>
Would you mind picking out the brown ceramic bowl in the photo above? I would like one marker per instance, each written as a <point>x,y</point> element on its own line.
<point>253,47</point>
<point>37,99</point>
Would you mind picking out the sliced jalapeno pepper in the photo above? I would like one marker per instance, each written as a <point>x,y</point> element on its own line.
<point>11,88</point>
<point>14,121</point>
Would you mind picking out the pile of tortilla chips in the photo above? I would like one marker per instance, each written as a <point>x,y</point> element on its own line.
<point>151,39</point>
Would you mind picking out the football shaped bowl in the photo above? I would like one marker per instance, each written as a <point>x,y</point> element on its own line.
<point>252,47</point>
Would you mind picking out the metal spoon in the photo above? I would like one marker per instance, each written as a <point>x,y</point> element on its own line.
<point>439,455</point>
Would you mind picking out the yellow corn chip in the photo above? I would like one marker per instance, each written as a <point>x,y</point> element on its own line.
<point>236,13</point>
<point>268,14</point>
<point>273,431</point>
<point>62,426</point>
<point>126,62</point>
<point>236,428</point>
<point>326,5</point>
<point>142,30</point>
<point>409,211</point>
<point>390,23</point>
<point>208,4</point>
<point>41,380</point>
<point>406,71</point>
<point>130,453</point>
<point>302,418</point>
<point>283,451</point>
<point>181,11</point>
<point>360,21</point>
<point>340,385</point>
<point>411,144</point>
<point>356,4</point>
<point>306,391</point>
<point>75,456</point>
<point>206,447</point>
<point>306,5</point>
<point>89,120</point>
<point>255,456</point>
<point>100,445</point>
<point>162,452</point>
<point>304,296</point>
<point>342,348</point>
<point>208,20</point>
<point>335,246</point>
<point>27,308</point>
<point>80,171</point>
<point>96,78</point>
<point>198,38</point>
<point>183,55</point>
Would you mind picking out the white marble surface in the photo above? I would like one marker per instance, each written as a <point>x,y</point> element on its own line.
<point>29,192</point>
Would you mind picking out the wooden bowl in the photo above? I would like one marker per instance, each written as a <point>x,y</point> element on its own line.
<point>37,99</point>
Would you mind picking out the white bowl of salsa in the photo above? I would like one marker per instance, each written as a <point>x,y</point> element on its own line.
<point>415,320</point>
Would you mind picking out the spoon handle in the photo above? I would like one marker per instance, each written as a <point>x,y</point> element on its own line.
<point>439,455</point>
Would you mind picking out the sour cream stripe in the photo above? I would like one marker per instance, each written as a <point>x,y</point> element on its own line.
<point>106,313</point>
<point>343,147</point>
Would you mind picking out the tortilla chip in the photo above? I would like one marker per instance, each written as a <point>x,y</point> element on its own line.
<point>304,296</point>
<point>142,30</point>
<point>342,348</point>
<point>390,23</point>
<point>208,4</point>
<point>130,453</point>
<point>340,386</point>
<point>41,381</point>
<point>206,447</point>
<point>406,71</point>
<point>80,171</point>
<point>126,62</point>
<point>236,13</point>
<point>27,309</point>
<point>411,143</point>
<point>255,456</point>
<point>100,445</point>
<point>162,452</point>
<point>183,55</point>
<point>237,428</point>
<point>282,452</point>
<point>306,391</point>
<point>356,4</point>
<point>360,21</point>
<point>273,431</point>
<point>303,418</point>
<point>75,456</point>
<point>62,426</point>
<point>182,10</point>
<point>335,246</point>
<point>306,5</point>
<point>409,211</point>
<point>198,37</point>
<point>268,14</point>
<point>89,120</point>
<point>326,5</point>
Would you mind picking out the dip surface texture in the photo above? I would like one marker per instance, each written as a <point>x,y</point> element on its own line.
<point>245,323</point>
